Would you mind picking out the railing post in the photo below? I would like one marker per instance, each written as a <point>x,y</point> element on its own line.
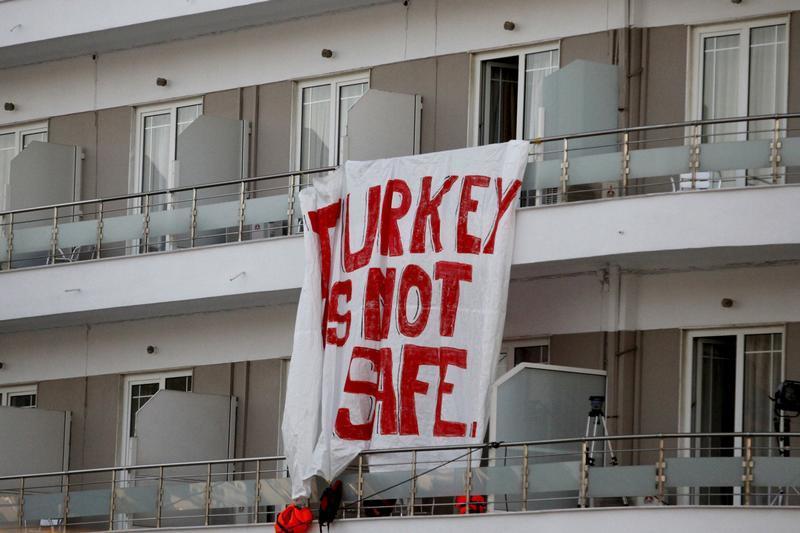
<point>583,483</point>
<point>21,503</point>
<point>413,483</point>
<point>468,480</point>
<point>99,242</point>
<point>360,486</point>
<point>241,210</point>
<point>54,236</point>
<point>525,477</point>
<point>112,500</point>
<point>146,228</point>
<point>207,506</point>
<point>775,150</point>
<point>748,468</point>
<point>160,495</point>
<point>626,163</point>
<point>10,240</point>
<point>257,501</point>
<point>66,501</point>
<point>564,170</point>
<point>193,223</point>
<point>694,153</point>
<point>290,206</point>
<point>661,470</point>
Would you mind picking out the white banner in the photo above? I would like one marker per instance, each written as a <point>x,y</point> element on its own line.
<point>403,304</point>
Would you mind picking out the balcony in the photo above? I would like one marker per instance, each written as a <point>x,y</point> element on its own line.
<point>620,197</point>
<point>702,474</point>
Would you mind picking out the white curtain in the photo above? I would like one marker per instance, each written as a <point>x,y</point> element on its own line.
<point>721,84</point>
<point>767,80</point>
<point>316,127</point>
<point>7,153</point>
<point>537,67</point>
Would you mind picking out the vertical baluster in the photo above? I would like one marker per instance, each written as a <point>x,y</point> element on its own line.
<point>207,507</point>
<point>112,500</point>
<point>66,501</point>
<point>626,162</point>
<point>241,210</point>
<point>257,501</point>
<point>99,242</point>
<point>160,496</point>
<point>468,480</point>
<point>360,486</point>
<point>413,483</point>
<point>146,228</point>
<point>564,171</point>
<point>290,206</point>
<point>21,503</point>
<point>775,150</point>
<point>661,470</point>
<point>54,236</point>
<point>583,484</point>
<point>10,250</point>
<point>748,469</point>
<point>193,223</point>
<point>525,477</point>
<point>694,153</point>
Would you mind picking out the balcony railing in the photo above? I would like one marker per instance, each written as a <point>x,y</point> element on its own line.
<point>738,469</point>
<point>677,157</point>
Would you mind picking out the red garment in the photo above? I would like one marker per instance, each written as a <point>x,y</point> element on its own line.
<point>294,519</point>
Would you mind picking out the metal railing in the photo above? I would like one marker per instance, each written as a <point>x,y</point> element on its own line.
<point>739,469</point>
<point>674,157</point>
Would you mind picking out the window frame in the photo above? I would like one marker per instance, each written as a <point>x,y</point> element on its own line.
<point>129,381</point>
<point>477,85</point>
<point>508,346</point>
<point>335,82</point>
<point>19,131</point>
<point>142,112</point>
<point>19,390</point>
<point>694,77</point>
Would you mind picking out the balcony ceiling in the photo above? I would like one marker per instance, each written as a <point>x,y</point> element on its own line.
<point>121,36</point>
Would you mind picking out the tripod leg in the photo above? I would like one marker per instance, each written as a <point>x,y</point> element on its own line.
<point>614,461</point>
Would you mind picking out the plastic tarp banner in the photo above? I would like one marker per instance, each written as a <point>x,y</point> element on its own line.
<point>403,303</point>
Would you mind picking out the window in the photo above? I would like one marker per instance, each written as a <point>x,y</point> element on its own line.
<point>23,396</point>
<point>323,106</point>
<point>513,353</point>
<point>137,391</point>
<point>740,69</point>
<point>12,141</point>
<point>509,97</point>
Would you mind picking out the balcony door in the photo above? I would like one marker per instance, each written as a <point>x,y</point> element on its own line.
<point>730,376</point>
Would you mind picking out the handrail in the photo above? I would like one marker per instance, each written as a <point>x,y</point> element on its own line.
<point>426,449</point>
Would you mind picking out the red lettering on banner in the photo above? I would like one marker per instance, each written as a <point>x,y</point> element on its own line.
<point>451,275</point>
<point>448,357</point>
<point>413,358</point>
<point>466,243</point>
<point>503,203</point>
<point>378,303</point>
<point>414,276</point>
<point>355,260</point>
<point>429,209</point>
<point>340,288</point>
<point>390,233</point>
<point>321,222</point>
<point>381,393</point>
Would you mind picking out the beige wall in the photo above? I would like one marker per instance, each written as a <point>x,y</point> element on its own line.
<point>665,79</point>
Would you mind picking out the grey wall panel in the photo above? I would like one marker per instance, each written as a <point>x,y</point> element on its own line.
<point>101,420</point>
<point>32,441</point>
<point>223,104</point>
<point>412,77</point>
<point>43,174</point>
<point>212,379</point>
<point>240,389</point>
<point>249,113</point>
<point>382,124</point>
<point>452,101</point>
<point>211,149</point>
<point>114,129</point>
<point>183,426</point>
<point>582,350</point>
<point>80,130</point>
<point>660,383</point>
<point>793,351</point>
<point>67,395</point>
<point>274,127</point>
<point>263,408</point>
<point>665,73</point>
<point>592,46</point>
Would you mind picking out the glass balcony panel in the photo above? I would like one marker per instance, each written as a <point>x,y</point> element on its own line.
<point>497,480</point>
<point>171,222</point>
<point>29,239</point>
<point>141,500</point>
<point>43,506</point>
<point>182,497</point>
<point>441,482</point>
<point>790,152</point>
<point>220,215</point>
<point>379,482</point>
<point>226,494</point>
<point>9,509</point>
<point>553,477</point>
<point>734,155</point>
<point>123,228</point>
<point>704,472</point>
<point>659,162</point>
<point>776,471</point>
<point>595,168</point>
<point>89,503</point>
<point>276,491</point>
<point>266,209</point>
<point>619,481</point>
<point>81,233</point>
<point>543,174</point>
